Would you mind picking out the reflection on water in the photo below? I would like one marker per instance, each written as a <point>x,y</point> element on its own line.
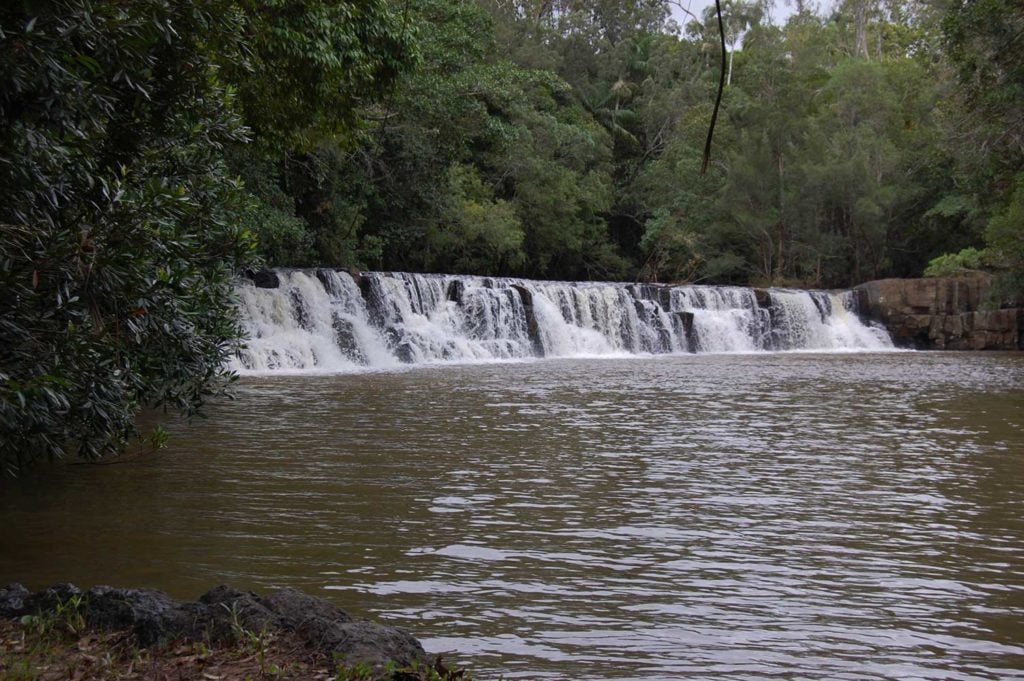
<point>733,517</point>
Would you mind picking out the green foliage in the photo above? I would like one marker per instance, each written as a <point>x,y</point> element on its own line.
<point>558,141</point>
<point>952,264</point>
<point>436,670</point>
<point>985,44</point>
<point>479,231</point>
<point>308,65</point>
<point>117,219</point>
<point>1005,238</point>
<point>64,619</point>
<point>122,215</point>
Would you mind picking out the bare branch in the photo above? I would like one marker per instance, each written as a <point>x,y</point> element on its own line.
<point>718,99</point>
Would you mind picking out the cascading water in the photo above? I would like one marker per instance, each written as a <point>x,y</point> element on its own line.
<point>324,320</point>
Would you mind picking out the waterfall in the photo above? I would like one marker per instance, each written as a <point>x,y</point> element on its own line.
<point>325,320</point>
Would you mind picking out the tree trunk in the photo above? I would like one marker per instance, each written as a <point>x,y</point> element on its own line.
<point>780,261</point>
<point>860,29</point>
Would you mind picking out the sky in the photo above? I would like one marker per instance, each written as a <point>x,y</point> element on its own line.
<point>780,13</point>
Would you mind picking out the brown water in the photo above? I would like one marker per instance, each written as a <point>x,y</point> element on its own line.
<point>731,517</point>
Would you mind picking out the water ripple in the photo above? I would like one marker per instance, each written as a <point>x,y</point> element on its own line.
<point>731,517</point>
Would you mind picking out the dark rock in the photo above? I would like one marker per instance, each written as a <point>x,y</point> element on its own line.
<point>456,291</point>
<point>153,616</point>
<point>13,598</point>
<point>374,298</point>
<point>292,607</point>
<point>763,297</point>
<point>221,615</point>
<point>299,310</point>
<point>686,321</point>
<point>532,328</point>
<point>312,618</point>
<point>345,339</point>
<point>264,278</point>
<point>370,643</point>
<point>231,611</point>
<point>405,353</point>
<point>325,279</point>
<point>45,601</point>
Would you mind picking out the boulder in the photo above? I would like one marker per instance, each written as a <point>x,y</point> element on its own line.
<point>12,600</point>
<point>353,643</point>
<point>221,615</point>
<point>229,611</point>
<point>151,615</point>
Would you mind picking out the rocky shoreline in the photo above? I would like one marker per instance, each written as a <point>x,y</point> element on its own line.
<point>224,616</point>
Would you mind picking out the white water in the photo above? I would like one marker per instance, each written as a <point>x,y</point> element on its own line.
<point>321,320</point>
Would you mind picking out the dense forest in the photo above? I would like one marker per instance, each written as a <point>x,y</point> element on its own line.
<point>151,150</point>
<point>562,140</point>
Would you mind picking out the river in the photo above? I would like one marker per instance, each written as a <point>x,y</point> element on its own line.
<point>720,516</point>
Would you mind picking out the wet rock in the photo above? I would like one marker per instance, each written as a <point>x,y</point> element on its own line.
<point>763,297</point>
<point>264,278</point>
<point>345,339</point>
<point>325,279</point>
<point>532,328</point>
<point>221,615</point>
<point>12,600</point>
<point>405,353</point>
<point>374,298</point>
<point>456,291</point>
<point>686,321</point>
<point>299,311</point>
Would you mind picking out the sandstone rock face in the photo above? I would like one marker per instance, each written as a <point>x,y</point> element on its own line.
<point>951,313</point>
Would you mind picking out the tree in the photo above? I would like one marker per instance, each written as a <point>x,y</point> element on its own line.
<point>118,237</point>
<point>308,66</point>
<point>121,226</point>
<point>984,43</point>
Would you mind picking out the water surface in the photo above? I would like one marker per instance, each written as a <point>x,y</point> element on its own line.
<point>784,516</point>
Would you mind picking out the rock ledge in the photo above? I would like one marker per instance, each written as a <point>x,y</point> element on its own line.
<point>950,313</point>
<point>220,615</point>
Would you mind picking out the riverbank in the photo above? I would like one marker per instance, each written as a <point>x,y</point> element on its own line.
<point>106,633</point>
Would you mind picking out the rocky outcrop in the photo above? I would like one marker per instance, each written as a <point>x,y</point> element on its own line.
<point>951,313</point>
<point>221,615</point>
